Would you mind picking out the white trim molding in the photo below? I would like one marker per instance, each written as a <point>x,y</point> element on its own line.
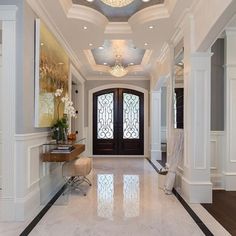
<point>196,192</point>
<point>89,140</point>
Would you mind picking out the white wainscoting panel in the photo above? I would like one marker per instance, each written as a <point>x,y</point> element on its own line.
<point>163,134</point>
<point>217,159</point>
<point>37,181</point>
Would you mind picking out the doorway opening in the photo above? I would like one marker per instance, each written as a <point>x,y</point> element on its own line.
<point>118,122</point>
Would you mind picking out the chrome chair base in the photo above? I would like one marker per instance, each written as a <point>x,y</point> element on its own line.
<point>74,182</point>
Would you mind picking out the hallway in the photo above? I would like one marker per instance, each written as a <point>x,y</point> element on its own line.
<point>124,200</point>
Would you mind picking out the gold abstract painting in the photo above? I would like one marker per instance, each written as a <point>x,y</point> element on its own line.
<point>51,73</point>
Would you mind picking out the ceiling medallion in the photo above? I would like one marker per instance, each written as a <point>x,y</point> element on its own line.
<point>118,70</point>
<point>117,3</point>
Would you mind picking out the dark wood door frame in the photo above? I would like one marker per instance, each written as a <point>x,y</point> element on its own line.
<point>118,145</point>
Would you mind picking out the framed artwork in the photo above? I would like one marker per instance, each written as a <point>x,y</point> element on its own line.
<point>51,73</point>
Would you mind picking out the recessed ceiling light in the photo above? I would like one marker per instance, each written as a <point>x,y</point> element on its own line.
<point>101,48</point>
<point>90,44</point>
<point>145,44</point>
<point>85,27</point>
<point>145,0</point>
<point>60,63</point>
<point>41,44</point>
<point>150,27</point>
<point>131,63</point>
<point>105,63</point>
<point>90,0</point>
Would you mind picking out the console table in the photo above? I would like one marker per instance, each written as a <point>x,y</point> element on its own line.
<point>62,157</point>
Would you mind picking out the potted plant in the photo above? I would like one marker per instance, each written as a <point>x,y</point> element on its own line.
<point>60,127</point>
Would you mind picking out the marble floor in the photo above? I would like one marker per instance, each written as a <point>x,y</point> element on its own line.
<point>124,200</point>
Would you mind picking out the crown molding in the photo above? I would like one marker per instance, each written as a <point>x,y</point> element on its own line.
<point>105,69</point>
<point>118,28</point>
<point>38,7</point>
<point>149,14</point>
<point>112,78</point>
<point>84,13</point>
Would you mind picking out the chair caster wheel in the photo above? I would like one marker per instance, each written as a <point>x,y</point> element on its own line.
<point>85,194</point>
<point>90,184</point>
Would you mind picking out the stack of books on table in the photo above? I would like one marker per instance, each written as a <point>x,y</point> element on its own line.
<point>63,149</point>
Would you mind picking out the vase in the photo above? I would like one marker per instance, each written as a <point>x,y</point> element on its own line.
<point>60,134</point>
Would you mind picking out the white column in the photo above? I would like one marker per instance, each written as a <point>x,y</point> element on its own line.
<point>8,118</point>
<point>229,167</point>
<point>196,185</point>
<point>155,126</point>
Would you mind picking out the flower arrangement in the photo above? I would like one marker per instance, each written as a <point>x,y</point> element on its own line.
<point>61,125</point>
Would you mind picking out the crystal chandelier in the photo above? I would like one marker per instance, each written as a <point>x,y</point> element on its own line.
<point>117,3</point>
<point>118,70</point>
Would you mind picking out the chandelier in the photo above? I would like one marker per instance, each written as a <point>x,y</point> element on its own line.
<point>118,70</point>
<point>117,3</point>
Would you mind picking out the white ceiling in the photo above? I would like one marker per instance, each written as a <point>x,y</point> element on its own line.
<point>70,20</point>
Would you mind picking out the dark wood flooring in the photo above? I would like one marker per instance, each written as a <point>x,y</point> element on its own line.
<point>223,209</point>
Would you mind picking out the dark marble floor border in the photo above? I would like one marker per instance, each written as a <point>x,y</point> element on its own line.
<point>40,215</point>
<point>194,216</point>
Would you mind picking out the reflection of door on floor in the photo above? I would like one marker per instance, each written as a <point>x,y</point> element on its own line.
<point>118,122</point>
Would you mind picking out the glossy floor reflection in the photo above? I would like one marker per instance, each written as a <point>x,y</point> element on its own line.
<point>124,200</point>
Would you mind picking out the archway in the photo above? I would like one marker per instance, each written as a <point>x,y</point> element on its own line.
<point>90,114</point>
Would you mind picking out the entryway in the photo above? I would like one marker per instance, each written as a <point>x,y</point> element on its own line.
<point>118,122</point>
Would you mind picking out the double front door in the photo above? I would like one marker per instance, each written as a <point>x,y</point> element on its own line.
<point>118,122</point>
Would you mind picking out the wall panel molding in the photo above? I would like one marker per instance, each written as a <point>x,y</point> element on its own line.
<point>36,181</point>
<point>217,156</point>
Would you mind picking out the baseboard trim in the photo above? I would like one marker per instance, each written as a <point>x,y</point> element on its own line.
<point>192,191</point>
<point>156,155</point>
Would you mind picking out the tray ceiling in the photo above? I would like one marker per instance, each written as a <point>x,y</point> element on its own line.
<point>130,55</point>
<point>118,14</point>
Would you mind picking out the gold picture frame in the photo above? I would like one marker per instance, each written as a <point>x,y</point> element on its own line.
<point>51,73</point>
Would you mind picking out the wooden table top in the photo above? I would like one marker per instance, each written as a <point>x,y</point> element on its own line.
<point>62,157</point>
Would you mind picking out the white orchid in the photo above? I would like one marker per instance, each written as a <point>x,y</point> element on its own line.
<point>69,108</point>
<point>58,92</point>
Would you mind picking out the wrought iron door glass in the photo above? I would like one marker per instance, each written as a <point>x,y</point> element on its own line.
<point>105,116</point>
<point>130,116</point>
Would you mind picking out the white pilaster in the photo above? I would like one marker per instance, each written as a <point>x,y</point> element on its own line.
<point>155,126</point>
<point>8,15</point>
<point>196,185</point>
<point>229,168</point>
